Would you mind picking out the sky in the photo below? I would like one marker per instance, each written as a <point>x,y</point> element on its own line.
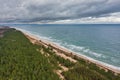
<point>59,11</point>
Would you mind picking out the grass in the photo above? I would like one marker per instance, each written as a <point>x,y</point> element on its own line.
<point>21,60</point>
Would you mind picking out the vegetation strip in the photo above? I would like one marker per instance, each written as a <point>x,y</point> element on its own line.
<point>22,60</point>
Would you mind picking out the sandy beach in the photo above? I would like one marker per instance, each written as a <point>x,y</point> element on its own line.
<point>70,54</point>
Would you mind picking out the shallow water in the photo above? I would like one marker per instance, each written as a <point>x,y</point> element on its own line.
<point>98,41</point>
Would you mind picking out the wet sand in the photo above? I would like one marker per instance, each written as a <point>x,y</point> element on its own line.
<point>69,53</point>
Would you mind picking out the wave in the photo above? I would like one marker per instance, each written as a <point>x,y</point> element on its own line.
<point>84,50</point>
<point>73,48</point>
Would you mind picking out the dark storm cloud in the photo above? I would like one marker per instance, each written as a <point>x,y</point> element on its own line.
<point>55,10</point>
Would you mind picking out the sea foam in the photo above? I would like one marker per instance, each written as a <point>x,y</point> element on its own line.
<point>77,49</point>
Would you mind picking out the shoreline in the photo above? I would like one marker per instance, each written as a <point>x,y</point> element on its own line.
<point>70,53</point>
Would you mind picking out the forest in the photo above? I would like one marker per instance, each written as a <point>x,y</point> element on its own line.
<point>22,60</point>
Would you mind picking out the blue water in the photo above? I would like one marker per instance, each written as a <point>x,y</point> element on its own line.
<point>98,41</point>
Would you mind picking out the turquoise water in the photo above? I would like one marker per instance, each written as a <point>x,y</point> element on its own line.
<point>98,41</point>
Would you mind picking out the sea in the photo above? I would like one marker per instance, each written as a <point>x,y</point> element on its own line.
<point>100,42</point>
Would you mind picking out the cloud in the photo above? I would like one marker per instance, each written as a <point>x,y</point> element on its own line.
<point>27,11</point>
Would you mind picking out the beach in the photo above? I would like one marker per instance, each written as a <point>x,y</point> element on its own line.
<point>36,40</point>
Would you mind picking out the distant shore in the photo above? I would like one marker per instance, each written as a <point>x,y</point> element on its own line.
<point>69,53</point>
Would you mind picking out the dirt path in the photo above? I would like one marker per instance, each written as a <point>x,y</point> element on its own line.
<point>57,52</point>
<point>59,72</point>
<point>34,41</point>
<point>64,56</point>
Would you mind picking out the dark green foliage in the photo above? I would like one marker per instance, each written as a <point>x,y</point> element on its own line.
<point>83,73</point>
<point>110,75</point>
<point>54,58</point>
<point>84,70</point>
<point>64,62</point>
<point>19,59</point>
